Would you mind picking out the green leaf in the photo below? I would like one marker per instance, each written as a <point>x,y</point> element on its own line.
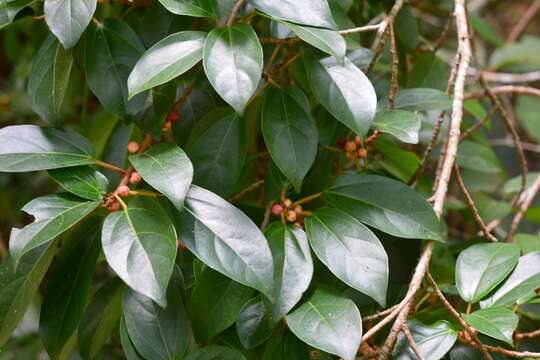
<point>517,56</point>
<point>285,346</point>
<point>526,108</point>
<point>18,287</point>
<point>252,325</point>
<point>127,346</point>
<point>497,322</point>
<point>48,80</point>
<point>167,59</point>
<point>100,318</point>
<point>54,214</point>
<point>82,181</point>
<point>157,332</point>
<point>433,341</point>
<point>404,125</point>
<point>9,9</point>
<point>304,12</point>
<point>215,303</point>
<point>293,267</point>
<point>68,19</point>
<point>481,267</point>
<point>528,243</point>
<point>68,289</point>
<point>422,99</point>
<point>226,240</point>
<point>31,148</point>
<point>428,72</point>
<point>387,205</point>
<point>334,316</point>
<point>233,63</point>
<point>112,50</point>
<point>140,246</point>
<point>217,149</point>
<point>329,41</point>
<point>343,90</point>
<point>197,8</point>
<point>513,185</point>
<point>524,280</point>
<point>478,157</point>
<point>167,169</point>
<point>350,250</point>
<point>216,352</point>
<point>290,134</point>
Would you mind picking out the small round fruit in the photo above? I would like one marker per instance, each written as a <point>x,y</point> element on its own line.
<point>167,126</point>
<point>135,178</point>
<point>362,153</point>
<point>291,216</point>
<point>277,209</point>
<point>133,147</point>
<point>298,209</point>
<point>114,206</point>
<point>350,146</point>
<point>173,116</point>
<point>357,140</point>
<point>287,203</point>
<point>123,190</point>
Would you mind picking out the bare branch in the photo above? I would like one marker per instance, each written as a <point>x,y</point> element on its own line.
<point>530,194</point>
<point>527,335</point>
<point>505,89</point>
<point>234,11</point>
<point>412,343</point>
<point>394,85</point>
<point>524,21</point>
<point>510,78</point>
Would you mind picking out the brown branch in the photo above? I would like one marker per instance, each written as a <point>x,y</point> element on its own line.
<point>505,89</point>
<point>524,21</point>
<point>527,335</point>
<point>530,194</point>
<point>464,49</point>
<point>360,29</point>
<point>394,85</point>
<point>476,214</point>
<point>506,352</point>
<point>236,8</point>
<point>412,343</point>
<point>111,167</point>
<point>457,316</point>
<point>379,314</point>
<point>510,78</point>
<point>247,190</point>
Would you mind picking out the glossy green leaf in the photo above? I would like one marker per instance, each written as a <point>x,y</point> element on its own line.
<point>197,8</point>
<point>304,12</point>
<point>82,181</point>
<point>233,63</point>
<point>513,185</point>
<point>68,19</point>
<point>9,9</point>
<point>216,352</point>
<point>387,205</point>
<point>497,322</point>
<point>433,341</point>
<point>290,135</point>
<point>478,157</point>
<point>167,169</point>
<point>31,148</point>
<point>334,316</point>
<point>429,71</point>
<point>157,332</point>
<point>48,80</point>
<point>481,267</point>
<point>293,267</point>
<point>252,325</point>
<point>18,287</point>
<point>329,41</point>
<point>404,125</point>
<point>112,50</point>
<point>68,288</point>
<point>127,346</point>
<point>422,99</point>
<point>526,107</point>
<point>521,55</point>
<point>215,303</point>
<point>53,215</point>
<point>165,60</point>
<point>285,346</point>
<point>350,250</point>
<point>344,90</point>
<point>226,240</point>
<point>524,280</point>
<point>100,318</point>
<point>217,149</point>
<point>528,243</point>
<point>140,246</point>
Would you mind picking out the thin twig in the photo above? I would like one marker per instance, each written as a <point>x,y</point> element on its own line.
<point>530,194</point>
<point>360,29</point>
<point>457,316</point>
<point>527,335</point>
<point>234,11</point>
<point>111,167</point>
<point>476,214</point>
<point>247,190</point>
<point>394,85</point>
<point>379,314</point>
<point>505,89</point>
<point>510,143</point>
<point>511,353</point>
<point>267,215</point>
<point>525,19</point>
<point>510,78</point>
<point>412,343</point>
